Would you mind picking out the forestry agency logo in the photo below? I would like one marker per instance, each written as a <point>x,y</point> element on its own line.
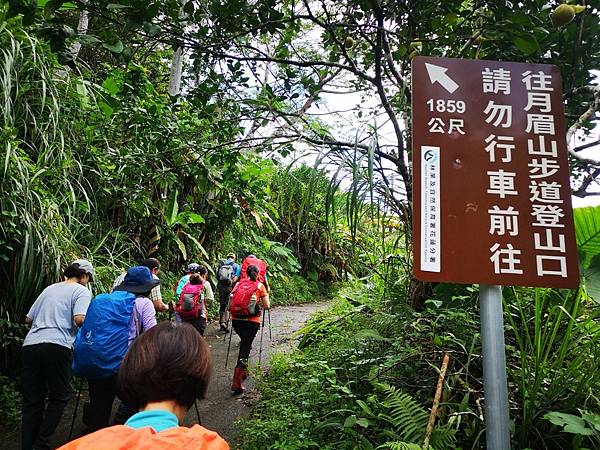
<point>430,156</point>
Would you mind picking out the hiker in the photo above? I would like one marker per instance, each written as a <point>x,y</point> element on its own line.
<point>228,273</point>
<point>155,295</point>
<point>114,321</point>
<point>191,269</point>
<point>54,317</point>
<point>247,299</point>
<point>162,375</point>
<point>191,305</point>
<point>262,269</point>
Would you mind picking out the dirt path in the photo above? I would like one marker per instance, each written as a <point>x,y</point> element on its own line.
<point>220,410</point>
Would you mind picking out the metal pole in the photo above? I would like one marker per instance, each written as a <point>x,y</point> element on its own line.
<point>270,332</point>
<point>228,347</point>
<point>197,412</point>
<point>262,329</point>
<point>497,433</point>
<point>76,406</point>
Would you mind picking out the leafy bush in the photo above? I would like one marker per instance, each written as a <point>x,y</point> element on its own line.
<point>340,391</point>
<point>364,368</point>
<point>293,289</point>
<point>10,403</point>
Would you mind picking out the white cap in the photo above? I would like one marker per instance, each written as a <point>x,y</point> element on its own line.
<point>86,265</point>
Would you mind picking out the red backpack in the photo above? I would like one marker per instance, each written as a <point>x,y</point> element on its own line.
<point>262,268</point>
<point>189,303</point>
<point>244,302</point>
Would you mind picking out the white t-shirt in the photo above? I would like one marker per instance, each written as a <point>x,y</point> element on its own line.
<point>53,311</point>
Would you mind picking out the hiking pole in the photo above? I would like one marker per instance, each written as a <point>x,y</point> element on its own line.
<point>270,331</point>
<point>197,412</point>
<point>228,348</point>
<point>262,330</point>
<point>76,406</point>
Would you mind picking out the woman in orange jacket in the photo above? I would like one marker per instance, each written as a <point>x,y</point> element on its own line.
<point>164,371</point>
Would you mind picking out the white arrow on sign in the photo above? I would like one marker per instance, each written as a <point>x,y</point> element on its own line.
<point>438,73</point>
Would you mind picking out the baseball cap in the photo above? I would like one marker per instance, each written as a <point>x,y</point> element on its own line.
<point>87,266</point>
<point>231,255</point>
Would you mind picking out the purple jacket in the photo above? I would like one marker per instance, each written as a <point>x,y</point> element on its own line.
<point>144,318</point>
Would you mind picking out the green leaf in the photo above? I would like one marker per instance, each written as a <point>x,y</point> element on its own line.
<point>363,423</point>
<point>570,423</point>
<point>152,29</point>
<point>181,247</point>
<point>592,419</point>
<point>587,232</point>
<point>364,407</point>
<point>197,243</point>
<point>88,39</point>
<point>116,47</point>
<point>194,218</point>
<point>591,278</point>
<point>527,44</point>
<point>350,421</point>
<point>369,333</point>
<point>172,208</point>
<point>115,6</point>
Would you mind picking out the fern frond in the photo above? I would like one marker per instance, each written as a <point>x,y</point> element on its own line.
<point>401,446</point>
<point>406,416</point>
<point>443,437</point>
<point>409,421</point>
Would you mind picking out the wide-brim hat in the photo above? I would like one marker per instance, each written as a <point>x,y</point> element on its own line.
<point>138,280</point>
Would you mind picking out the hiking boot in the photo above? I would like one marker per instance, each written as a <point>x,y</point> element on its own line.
<point>223,327</point>
<point>236,385</point>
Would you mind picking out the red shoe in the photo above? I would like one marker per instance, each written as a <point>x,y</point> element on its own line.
<point>238,376</point>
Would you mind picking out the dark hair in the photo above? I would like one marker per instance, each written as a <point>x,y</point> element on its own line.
<point>170,361</point>
<point>151,263</point>
<point>252,272</point>
<point>195,279</point>
<point>74,271</point>
<point>202,270</point>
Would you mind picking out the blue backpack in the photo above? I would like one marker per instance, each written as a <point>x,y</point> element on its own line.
<point>101,343</point>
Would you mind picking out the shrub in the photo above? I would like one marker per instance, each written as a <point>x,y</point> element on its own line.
<point>293,289</point>
<point>10,403</point>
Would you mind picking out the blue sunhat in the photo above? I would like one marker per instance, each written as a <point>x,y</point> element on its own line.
<point>138,280</point>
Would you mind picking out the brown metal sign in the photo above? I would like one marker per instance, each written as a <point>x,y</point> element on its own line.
<point>491,195</point>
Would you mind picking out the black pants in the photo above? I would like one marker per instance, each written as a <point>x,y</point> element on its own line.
<point>46,373</point>
<point>224,292</point>
<point>246,330</point>
<point>199,324</point>
<point>102,395</point>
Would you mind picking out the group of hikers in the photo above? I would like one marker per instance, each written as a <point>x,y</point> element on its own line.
<point>157,370</point>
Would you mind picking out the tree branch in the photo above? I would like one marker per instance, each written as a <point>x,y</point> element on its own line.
<point>583,119</point>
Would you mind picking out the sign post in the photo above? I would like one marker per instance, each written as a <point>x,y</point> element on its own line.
<point>492,202</point>
<point>494,367</point>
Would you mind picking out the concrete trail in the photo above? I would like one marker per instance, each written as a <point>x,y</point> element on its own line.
<point>220,410</point>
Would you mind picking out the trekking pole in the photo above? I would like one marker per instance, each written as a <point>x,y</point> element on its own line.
<point>270,331</point>
<point>76,406</point>
<point>262,330</point>
<point>197,412</point>
<point>228,348</point>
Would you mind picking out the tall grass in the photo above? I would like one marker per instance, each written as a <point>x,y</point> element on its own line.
<point>38,177</point>
<point>557,343</point>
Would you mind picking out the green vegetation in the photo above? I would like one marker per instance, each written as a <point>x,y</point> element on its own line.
<point>366,371</point>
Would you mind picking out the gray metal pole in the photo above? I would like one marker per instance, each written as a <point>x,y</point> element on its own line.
<point>497,433</point>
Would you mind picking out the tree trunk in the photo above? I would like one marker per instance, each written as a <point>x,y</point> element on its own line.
<point>176,68</point>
